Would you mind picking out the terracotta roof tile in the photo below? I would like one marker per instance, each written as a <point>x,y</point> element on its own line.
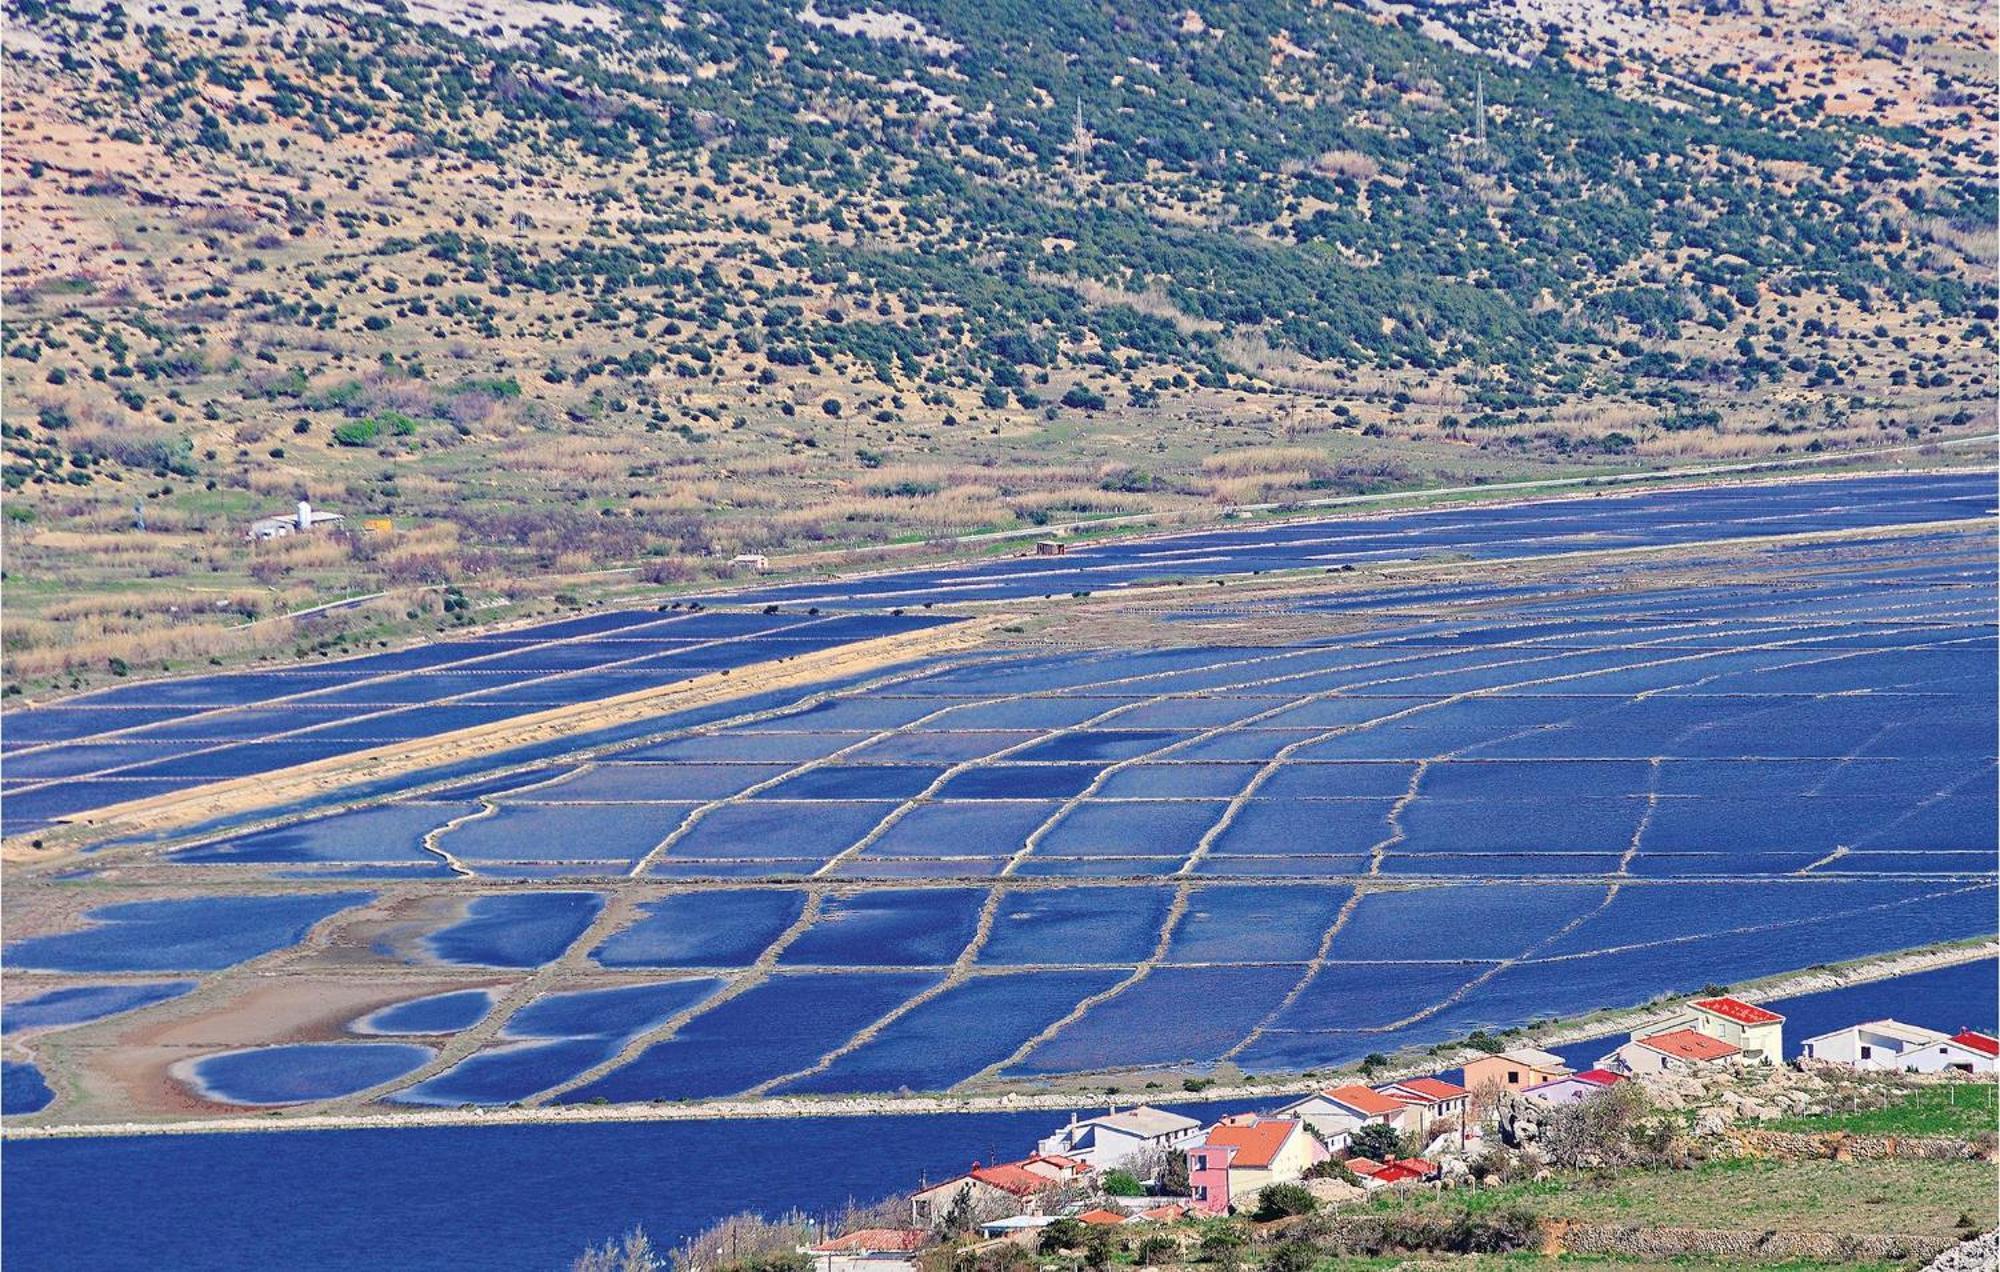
<point>1428,1090</point>
<point>1364,1100</point>
<point>1686,1044</point>
<point>1739,1011</point>
<point>874,1239</point>
<point>1009,1177</point>
<point>1256,1143</point>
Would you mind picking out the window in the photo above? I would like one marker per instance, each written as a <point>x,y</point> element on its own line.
<point>1867,1052</point>
<point>1513,1077</point>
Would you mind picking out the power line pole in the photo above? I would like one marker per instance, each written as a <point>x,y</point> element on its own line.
<point>1479,113</point>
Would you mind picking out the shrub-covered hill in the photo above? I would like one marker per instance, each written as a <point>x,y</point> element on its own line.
<point>570,285</point>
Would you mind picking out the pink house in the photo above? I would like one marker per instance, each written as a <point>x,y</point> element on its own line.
<point>1242,1154</point>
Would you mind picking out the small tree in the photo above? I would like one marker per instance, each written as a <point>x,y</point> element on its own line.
<point>1063,1234</point>
<point>1122,1183</point>
<point>1100,1246</point>
<point>1293,1256</point>
<point>1223,1244</point>
<point>1282,1201</point>
<point>1157,1249</point>
<point>1378,1140</point>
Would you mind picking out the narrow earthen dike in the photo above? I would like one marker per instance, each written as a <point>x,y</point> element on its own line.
<point>161,814</point>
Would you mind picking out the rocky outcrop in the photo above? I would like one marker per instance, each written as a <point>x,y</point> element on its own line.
<point>1981,1254</point>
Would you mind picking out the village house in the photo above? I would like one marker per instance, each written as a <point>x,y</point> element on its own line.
<point>1576,1088</point>
<point>1241,1155</point>
<point>1514,1069</point>
<point>1335,1113</point>
<point>1757,1032</point>
<point>1054,1166</point>
<point>869,1250</point>
<point>1674,1050</point>
<point>1891,1044</point>
<point>1117,1138</point>
<point>1008,1188</point>
<point>1428,1101</point>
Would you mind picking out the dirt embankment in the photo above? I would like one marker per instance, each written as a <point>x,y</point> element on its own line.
<point>164,813</point>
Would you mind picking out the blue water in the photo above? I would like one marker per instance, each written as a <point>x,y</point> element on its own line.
<point>80,1004</point>
<point>195,935</point>
<point>22,1090</point>
<point>304,1071</point>
<point>435,1014</point>
<point>445,1199</point>
<point>526,930</point>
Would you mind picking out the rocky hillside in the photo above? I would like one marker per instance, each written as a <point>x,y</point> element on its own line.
<point>560,287</point>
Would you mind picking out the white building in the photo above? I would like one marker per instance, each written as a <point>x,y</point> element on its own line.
<point>1335,1113</point>
<point>304,521</point>
<point>1891,1044</point>
<point>1117,1138</point>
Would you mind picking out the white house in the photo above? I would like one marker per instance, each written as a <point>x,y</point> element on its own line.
<point>1891,1044</point>
<point>1335,1113</point>
<point>1117,1138</point>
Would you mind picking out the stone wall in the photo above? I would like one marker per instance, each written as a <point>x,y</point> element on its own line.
<point>1839,1146</point>
<point>1651,1242</point>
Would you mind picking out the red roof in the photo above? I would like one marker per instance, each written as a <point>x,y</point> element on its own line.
<point>1686,1044</point>
<point>874,1239</point>
<point>1164,1214</point>
<point>1424,1091</point>
<point>1363,1165</point>
<point>1256,1143</point>
<point>1363,1100</point>
<point>1972,1040</point>
<point>1396,1173</point>
<point>1599,1077</point>
<point>1059,1161</point>
<point>1739,1011</point>
<point>1106,1217</point>
<point>1009,1177</point>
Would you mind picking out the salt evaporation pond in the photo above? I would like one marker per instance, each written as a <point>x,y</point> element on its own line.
<point>22,1090</point>
<point>435,1014</point>
<point>195,934</point>
<point>303,1071</point>
<point>81,1004</point>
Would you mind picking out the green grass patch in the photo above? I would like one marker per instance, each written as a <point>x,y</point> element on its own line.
<point>1955,1109</point>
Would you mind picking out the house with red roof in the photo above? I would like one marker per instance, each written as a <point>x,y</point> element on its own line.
<point>1576,1088</point>
<point>991,1191</point>
<point>1676,1049</point>
<point>1055,1166</point>
<point>1403,1170</point>
<point>1335,1113</point>
<point>1428,1101</point>
<point>1242,1154</point>
<point>869,1250</point>
<point>1757,1032</point>
<point>1891,1044</point>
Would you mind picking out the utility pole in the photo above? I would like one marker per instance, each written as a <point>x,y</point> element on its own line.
<point>1479,113</point>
